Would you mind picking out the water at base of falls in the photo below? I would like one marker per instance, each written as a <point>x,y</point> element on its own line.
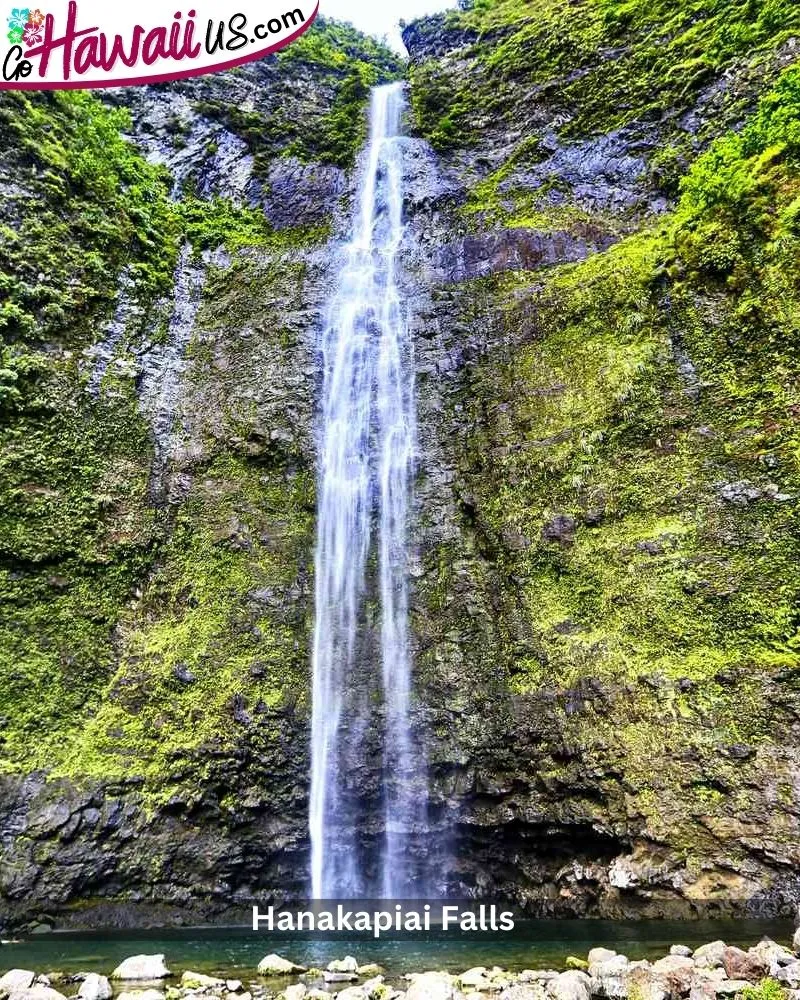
<point>361,818</point>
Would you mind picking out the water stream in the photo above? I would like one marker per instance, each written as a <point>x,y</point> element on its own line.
<point>366,455</point>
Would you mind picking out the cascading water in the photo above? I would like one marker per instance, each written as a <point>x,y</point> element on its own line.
<point>366,453</point>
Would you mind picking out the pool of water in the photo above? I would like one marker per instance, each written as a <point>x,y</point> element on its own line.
<point>237,951</point>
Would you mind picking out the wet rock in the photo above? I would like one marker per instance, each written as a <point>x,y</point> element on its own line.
<point>146,967</point>
<point>274,965</point>
<point>95,987</point>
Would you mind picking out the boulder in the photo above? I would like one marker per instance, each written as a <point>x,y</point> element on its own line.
<point>374,987</point>
<point>796,941</point>
<point>197,981</point>
<point>789,975</point>
<point>95,987</point>
<point>295,992</point>
<point>346,964</point>
<point>537,975</point>
<point>350,993</point>
<point>681,950</point>
<point>339,977</point>
<point>16,979</point>
<point>274,965</point>
<point>233,985</point>
<point>430,986</point>
<point>773,954</point>
<point>609,977</point>
<point>141,967</point>
<point>571,985</point>
<point>36,992</point>
<point>476,979</point>
<point>600,955</point>
<point>710,956</point>
<point>740,964</point>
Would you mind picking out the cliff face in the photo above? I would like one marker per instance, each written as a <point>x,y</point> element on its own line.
<point>602,278</point>
<point>607,613</point>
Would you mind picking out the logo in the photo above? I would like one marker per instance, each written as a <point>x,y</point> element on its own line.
<point>95,44</point>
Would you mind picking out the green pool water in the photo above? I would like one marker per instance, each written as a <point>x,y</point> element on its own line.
<point>533,944</point>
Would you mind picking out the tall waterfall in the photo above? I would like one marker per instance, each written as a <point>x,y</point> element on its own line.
<point>366,453</point>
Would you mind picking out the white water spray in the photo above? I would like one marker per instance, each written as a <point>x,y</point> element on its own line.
<point>366,453</point>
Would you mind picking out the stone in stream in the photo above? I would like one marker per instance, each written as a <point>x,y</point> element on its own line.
<point>16,979</point>
<point>346,964</point>
<point>681,950</point>
<point>339,977</point>
<point>197,981</point>
<point>144,967</point>
<point>369,970</point>
<point>608,976</point>
<point>95,987</point>
<point>796,941</point>
<point>534,990</point>
<point>274,965</point>
<point>352,993</point>
<point>233,985</point>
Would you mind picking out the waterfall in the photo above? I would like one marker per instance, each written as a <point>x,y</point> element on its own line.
<point>366,453</point>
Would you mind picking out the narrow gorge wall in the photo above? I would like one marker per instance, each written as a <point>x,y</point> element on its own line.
<point>604,594</point>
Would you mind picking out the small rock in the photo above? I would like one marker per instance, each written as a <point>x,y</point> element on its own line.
<point>475,979</point>
<point>561,529</point>
<point>36,992</point>
<point>147,967</point>
<point>295,992</point>
<point>95,987</point>
<point>274,965</point>
<point>681,950</point>
<point>352,993</point>
<point>369,970</point>
<point>233,985</point>
<point>339,977</point>
<point>789,975</point>
<point>183,673</point>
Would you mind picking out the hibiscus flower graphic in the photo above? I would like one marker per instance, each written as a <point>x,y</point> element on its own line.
<point>15,36</point>
<point>19,18</point>
<point>33,34</point>
<point>36,18</point>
